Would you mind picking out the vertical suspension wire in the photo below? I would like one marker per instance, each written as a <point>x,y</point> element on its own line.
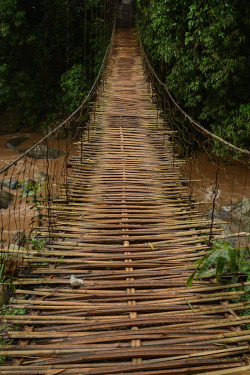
<point>105,34</point>
<point>67,34</point>
<point>47,188</point>
<point>85,37</point>
<point>97,28</point>
<point>46,57</point>
<point>92,50</point>
<point>220,152</point>
<point>215,195</point>
<point>108,19</point>
<point>98,31</point>
<point>104,21</point>
<point>68,141</point>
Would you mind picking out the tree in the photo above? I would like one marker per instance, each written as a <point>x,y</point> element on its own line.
<point>201,50</point>
<point>43,43</point>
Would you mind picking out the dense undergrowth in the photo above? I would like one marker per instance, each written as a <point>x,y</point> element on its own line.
<point>228,264</point>
<point>223,261</point>
<point>201,50</point>
<point>50,52</point>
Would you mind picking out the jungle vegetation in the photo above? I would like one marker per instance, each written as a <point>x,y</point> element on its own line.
<point>50,53</point>
<point>201,50</point>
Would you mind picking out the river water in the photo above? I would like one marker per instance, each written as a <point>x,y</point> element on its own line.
<point>19,215</point>
<point>233,180</point>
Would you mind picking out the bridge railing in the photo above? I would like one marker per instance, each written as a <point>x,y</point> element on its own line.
<point>215,171</point>
<point>32,183</point>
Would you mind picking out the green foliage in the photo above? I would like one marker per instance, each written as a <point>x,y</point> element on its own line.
<point>245,297</point>
<point>221,259</point>
<point>5,310</point>
<point>33,195</point>
<point>42,47</point>
<point>5,89</point>
<point>19,66</point>
<point>73,85</point>
<point>36,244</point>
<point>3,277</point>
<point>202,51</point>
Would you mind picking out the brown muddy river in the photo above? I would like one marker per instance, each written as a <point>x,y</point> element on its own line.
<point>233,180</point>
<point>18,216</point>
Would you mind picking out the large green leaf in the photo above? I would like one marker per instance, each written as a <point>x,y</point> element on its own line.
<point>220,266</point>
<point>208,263</point>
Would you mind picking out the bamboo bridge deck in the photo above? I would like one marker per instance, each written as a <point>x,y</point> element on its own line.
<point>126,229</point>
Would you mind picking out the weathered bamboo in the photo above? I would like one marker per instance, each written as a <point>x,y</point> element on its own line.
<point>125,227</point>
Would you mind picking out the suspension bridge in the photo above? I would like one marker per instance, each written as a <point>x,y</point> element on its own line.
<point>108,295</point>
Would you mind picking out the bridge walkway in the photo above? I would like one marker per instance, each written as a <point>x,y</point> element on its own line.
<point>126,230</point>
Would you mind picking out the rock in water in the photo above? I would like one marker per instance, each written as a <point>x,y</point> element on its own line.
<point>41,176</point>
<point>39,152</point>
<point>16,259</point>
<point>5,198</point>
<point>20,238</point>
<point>241,213</point>
<point>31,183</point>
<point>16,249</point>
<point>14,143</point>
<point>44,152</point>
<point>75,283</point>
<point>9,183</point>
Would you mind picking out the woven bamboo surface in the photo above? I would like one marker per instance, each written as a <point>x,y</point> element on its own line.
<point>126,228</point>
